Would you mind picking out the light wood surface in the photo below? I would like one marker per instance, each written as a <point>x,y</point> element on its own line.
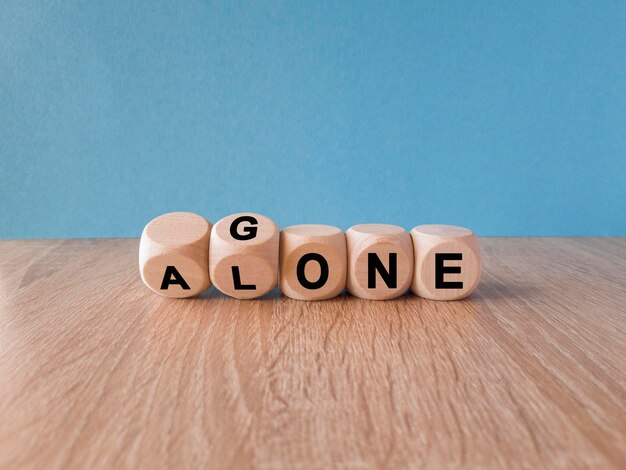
<point>98,372</point>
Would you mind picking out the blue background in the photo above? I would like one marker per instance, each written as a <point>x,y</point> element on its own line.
<point>506,118</point>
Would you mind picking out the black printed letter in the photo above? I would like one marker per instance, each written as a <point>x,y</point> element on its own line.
<point>440,270</point>
<point>323,271</point>
<point>249,232</point>
<point>172,272</point>
<point>375,264</point>
<point>237,280</point>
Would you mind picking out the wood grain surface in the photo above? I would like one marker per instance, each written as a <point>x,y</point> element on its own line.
<point>96,371</point>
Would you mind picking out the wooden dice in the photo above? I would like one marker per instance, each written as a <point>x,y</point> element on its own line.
<point>380,261</point>
<point>180,255</point>
<point>243,255</point>
<point>447,262</point>
<point>313,263</point>
<point>174,254</point>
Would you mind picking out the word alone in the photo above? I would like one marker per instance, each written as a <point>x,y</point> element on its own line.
<point>246,255</point>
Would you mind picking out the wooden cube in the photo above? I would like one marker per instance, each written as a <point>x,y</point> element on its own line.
<point>243,255</point>
<point>174,254</point>
<point>447,262</point>
<point>380,261</point>
<point>313,262</point>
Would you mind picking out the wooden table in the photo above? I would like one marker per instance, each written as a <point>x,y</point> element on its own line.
<point>97,371</point>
